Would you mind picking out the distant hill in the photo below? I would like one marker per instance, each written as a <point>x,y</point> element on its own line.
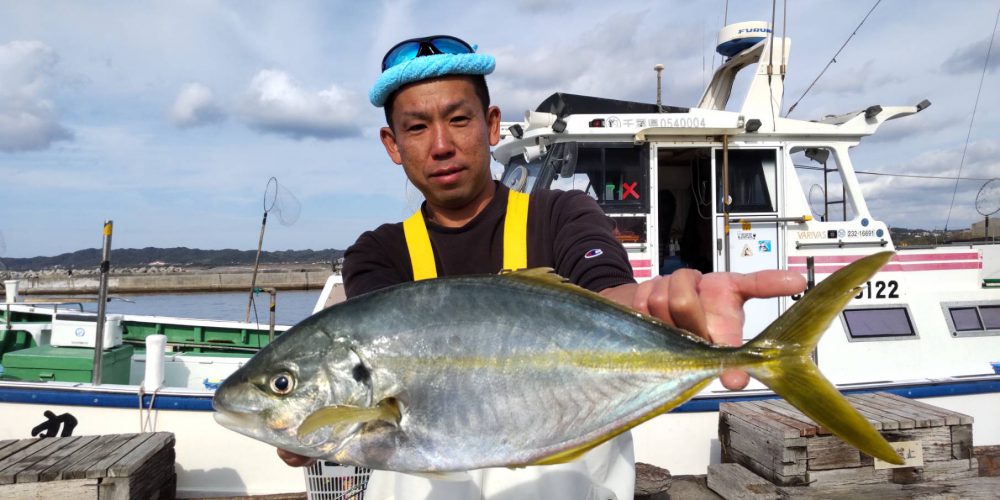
<point>180,256</point>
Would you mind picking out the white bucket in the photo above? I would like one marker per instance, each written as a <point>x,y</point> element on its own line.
<point>10,286</point>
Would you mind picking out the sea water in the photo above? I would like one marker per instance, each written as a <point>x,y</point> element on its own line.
<point>291,306</point>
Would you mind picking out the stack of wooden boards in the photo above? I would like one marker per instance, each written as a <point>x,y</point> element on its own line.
<point>770,447</point>
<point>89,467</point>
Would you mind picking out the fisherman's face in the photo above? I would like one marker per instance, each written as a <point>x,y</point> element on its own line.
<point>442,138</point>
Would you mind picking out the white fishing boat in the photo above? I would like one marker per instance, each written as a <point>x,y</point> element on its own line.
<point>46,386</point>
<point>926,326</point>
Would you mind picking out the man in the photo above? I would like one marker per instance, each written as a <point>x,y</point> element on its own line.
<point>440,129</point>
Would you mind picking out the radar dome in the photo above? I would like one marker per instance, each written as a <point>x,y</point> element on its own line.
<point>736,38</point>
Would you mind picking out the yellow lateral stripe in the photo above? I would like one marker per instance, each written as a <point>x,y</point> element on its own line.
<point>418,242</point>
<point>515,232</point>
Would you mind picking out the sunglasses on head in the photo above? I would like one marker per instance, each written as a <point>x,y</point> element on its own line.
<point>429,45</point>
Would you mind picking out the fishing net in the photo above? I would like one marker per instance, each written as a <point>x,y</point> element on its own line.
<point>281,201</point>
<point>988,199</point>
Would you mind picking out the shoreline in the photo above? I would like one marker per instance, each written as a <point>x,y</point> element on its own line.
<point>194,281</point>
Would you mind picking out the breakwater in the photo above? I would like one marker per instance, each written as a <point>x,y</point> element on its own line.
<point>63,284</point>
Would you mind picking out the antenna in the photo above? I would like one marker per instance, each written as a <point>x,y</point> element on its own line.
<point>988,202</point>
<point>280,200</point>
<point>3,251</point>
<point>659,78</point>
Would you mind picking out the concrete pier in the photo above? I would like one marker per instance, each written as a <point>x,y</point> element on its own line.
<point>175,282</point>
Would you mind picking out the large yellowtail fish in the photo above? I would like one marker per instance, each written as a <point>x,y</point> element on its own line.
<point>512,370</point>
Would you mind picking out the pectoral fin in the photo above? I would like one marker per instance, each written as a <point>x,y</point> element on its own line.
<point>386,410</point>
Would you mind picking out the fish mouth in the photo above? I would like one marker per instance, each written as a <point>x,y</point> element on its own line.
<point>238,421</point>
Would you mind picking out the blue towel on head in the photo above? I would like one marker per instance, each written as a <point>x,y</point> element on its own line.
<point>424,67</point>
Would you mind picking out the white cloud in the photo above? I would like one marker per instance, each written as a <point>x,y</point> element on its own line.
<point>610,57</point>
<point>28,121</point>
<point>276,103</point>
<point>543,5</point>
<point>195,105</point>
<point>971,57</point>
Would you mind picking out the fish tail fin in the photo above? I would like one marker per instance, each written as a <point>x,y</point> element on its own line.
<point>780,357</point>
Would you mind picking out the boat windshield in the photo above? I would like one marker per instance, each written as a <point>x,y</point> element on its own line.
<point>614,174</point>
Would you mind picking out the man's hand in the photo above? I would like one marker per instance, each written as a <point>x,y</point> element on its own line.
<point>710,306</point>
<point>295,460</point>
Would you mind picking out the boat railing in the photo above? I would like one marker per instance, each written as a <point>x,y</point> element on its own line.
<point>841,244</point>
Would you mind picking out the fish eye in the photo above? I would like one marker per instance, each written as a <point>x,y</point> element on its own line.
<point>282,383</point>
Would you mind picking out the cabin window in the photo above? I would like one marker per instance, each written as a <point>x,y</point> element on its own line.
<point>617,176</point>
<point>520,174</point>
<point>973,319</point>
<point>821,178</point>
<point>752,180</point>
<point>614,174</point>
<point>866,323</point>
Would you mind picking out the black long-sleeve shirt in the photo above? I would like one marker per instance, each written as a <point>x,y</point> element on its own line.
<point>567,231</point>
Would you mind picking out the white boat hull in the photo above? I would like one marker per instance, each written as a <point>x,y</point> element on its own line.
<point>211,460</point>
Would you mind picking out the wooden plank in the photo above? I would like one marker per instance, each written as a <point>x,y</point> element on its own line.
<point>99,449</point>
<point>774,458</point>
<point>849,477</point>
<point>989,460</point>
<point>100,467</point>
<point>830,452</point>
<point>750,413</point>
<point>877,412</point>
<point>758,468</point>
<point>5,443</point>
<point>66,447</point>
<point>878,419</point>
<point>981,487</point>
<point>951,417</point>
<point>763,425</point>
<point>78,489</point>
<point>889,419</point>
<point>951,469</point>
<point>935,441</point>
<point>142,453</point>
<point>921,416</point>
<point>735,481</point>
<point>870,401</point>
<point>961,441</point>
<point>23,459</point>
<point>14,448</point>
<point>788,414</point>
<point>156,475</point>
<point>115,488</point>
<point>54,471</point>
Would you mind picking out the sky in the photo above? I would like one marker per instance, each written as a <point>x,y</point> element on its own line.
<point>170,117</point>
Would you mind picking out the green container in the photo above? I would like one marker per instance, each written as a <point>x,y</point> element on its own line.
<point>67,364</point>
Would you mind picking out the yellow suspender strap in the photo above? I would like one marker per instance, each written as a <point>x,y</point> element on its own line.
<point>515,239</point>
<point>515,232</point>
<point>418,242</point>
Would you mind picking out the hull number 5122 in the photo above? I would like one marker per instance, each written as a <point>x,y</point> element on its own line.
<point>882,290</point>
